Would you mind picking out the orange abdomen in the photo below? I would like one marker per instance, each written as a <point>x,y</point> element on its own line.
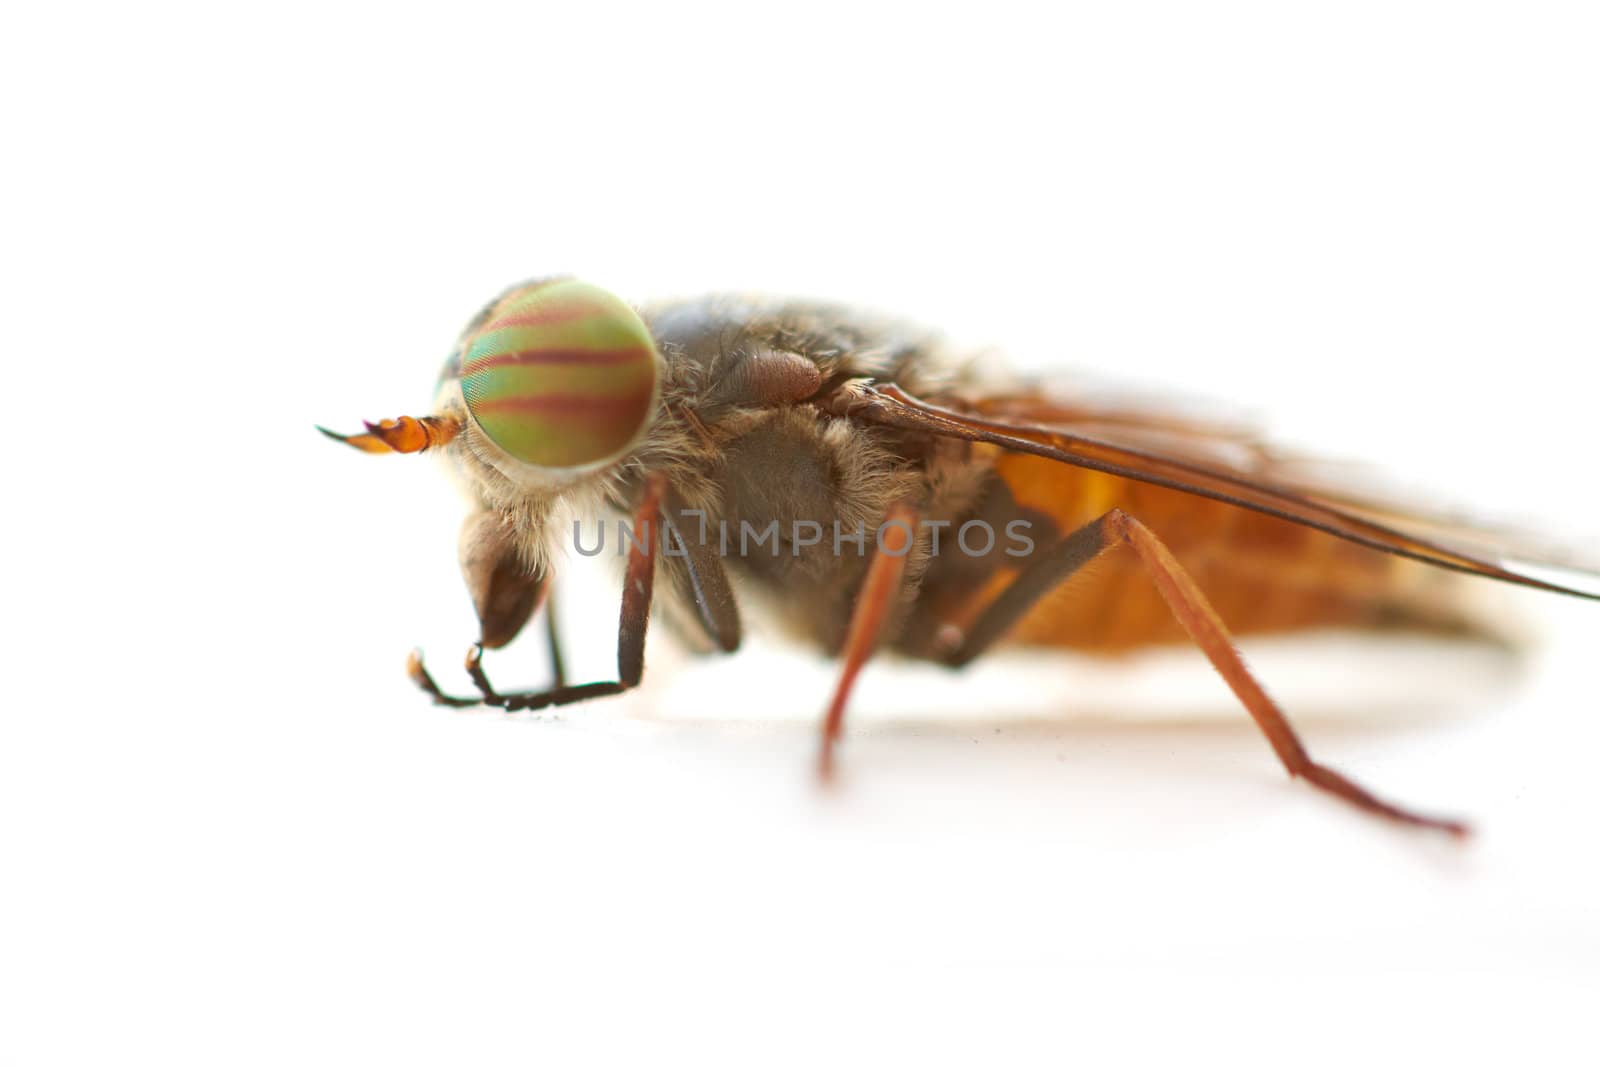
<point>1263,574</point>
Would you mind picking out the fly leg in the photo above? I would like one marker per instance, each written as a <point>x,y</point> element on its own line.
<point>552,635</point>
<point>873,604</point>
<point>558,672</point>
<point>1117,529</point>
<point>638,585</point>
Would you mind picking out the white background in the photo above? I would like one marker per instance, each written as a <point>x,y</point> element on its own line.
<point>231,832</point>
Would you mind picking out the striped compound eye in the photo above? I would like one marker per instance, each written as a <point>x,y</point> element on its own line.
<point>561,374</point>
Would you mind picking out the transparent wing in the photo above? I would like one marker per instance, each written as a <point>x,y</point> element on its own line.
<point>1227,461</point>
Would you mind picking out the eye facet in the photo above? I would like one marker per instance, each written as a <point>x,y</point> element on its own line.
<point>561,374</point>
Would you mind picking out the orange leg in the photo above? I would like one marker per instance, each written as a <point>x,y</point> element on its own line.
<point>1117,529</point>
<point>877,597</point>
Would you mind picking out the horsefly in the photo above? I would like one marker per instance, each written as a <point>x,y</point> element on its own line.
<point>885,494</point>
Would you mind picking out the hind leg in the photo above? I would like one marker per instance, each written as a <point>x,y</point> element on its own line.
<point>1117,529</point>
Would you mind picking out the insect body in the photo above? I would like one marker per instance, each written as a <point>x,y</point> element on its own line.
<point>881,494</point>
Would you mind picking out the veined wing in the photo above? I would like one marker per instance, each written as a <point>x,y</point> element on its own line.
<point>1228,463</point>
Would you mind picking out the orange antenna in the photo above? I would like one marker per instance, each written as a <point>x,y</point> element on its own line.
<point>405,434</point>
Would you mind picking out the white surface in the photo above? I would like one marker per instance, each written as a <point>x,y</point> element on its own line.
<point>231,833</point>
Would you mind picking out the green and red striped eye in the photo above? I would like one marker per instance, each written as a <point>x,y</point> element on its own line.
<point>561,374</point>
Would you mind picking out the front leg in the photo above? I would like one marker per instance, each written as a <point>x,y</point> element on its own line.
<point>638,587</point>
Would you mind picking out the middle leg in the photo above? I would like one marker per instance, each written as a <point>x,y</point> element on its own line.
<point>873,605</point>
